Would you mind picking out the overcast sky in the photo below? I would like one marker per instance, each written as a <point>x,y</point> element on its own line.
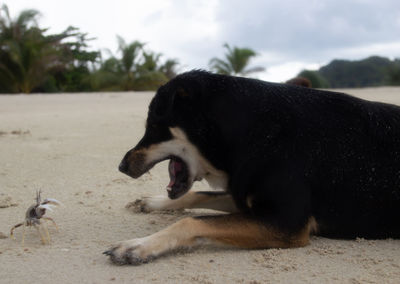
<point>288,35</point>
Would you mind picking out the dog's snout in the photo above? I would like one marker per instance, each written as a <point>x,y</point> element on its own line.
<point>123,166</point>
<point>133,164</point>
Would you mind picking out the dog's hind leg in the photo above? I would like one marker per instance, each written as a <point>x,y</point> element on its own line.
<point>216,200</point>
<point>233,229</point>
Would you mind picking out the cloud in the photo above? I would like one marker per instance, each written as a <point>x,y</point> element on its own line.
<point>283,71</point>
<point>288,35</point>
<point>296,34</point>
<point>307,29</point>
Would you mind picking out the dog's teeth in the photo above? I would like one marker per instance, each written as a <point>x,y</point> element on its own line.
<point>169,189</point>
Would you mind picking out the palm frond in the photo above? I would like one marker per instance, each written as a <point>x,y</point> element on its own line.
<point>235,62</point>
<point>169,68</point>
<point>129,53</point>
<point>26,18</point>
<point>220,66</point>
<point>4,9</point>
<point>253,70</point>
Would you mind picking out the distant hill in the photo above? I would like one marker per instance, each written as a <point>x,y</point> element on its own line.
<point>369,72</point>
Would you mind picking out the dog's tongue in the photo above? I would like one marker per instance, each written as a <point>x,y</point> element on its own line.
<point>174,167</point>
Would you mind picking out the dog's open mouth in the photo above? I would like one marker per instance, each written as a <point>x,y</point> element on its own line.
<point>179,178</point>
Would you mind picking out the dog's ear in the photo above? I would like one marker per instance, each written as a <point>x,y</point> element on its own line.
<point>166,99</point>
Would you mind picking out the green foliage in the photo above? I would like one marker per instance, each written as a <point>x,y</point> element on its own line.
<point>150,62</point>
<point>393,71</point>
<point>235,62</point>
<point>316,79</point>
<point>32,61</point>
<point>169,68</point>
<point>132,68</point>
<point>150,81</point>
<point>25,55</point>
<point>129,55</point>
<point>77,62</point>
<point>372,71</point>
<point>369,72</point>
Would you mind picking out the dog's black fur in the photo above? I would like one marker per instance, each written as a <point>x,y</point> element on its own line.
<point>297,152</point>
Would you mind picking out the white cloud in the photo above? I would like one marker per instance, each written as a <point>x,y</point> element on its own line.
<point>288,35</point>
<point>282,72</point>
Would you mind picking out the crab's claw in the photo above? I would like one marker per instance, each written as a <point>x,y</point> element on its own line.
<point>46,207</point>
<point>51,201</point>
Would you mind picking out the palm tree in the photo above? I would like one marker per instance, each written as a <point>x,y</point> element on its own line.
<point>16,29</point>
<point>150,61</point>
<point>169,68</point>
<point>151,64</point>
<point>26,54</point>
<point>150,76</point>
<point>17,58</point>
<point>130,56</point>
<point>132,68</point>
<point>235,63</point>
<point>137,68</point>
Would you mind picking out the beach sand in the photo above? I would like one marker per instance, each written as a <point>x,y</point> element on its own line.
<point>70,145</point>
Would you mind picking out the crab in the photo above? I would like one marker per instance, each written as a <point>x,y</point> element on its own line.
<point>34,216</point>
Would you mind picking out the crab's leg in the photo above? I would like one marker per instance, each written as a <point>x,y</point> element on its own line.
<point>50,219</point>
<point>40,233</point>
<point>23,234</point>
<point>12,229</point>
<point>44,226</point>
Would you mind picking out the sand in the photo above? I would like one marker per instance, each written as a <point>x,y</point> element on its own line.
<point>70,145</point>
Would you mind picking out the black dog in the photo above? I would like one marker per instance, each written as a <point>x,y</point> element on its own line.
<point>290,160</point>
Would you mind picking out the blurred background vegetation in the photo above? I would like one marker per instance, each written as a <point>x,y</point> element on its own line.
<point>370,72</point>
<point>31,60</point>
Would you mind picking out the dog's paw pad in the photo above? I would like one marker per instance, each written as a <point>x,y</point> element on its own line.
<point>121,256</point>
<point>137,206</point>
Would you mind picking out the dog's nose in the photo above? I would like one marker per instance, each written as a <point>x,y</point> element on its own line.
<point>123,166</point>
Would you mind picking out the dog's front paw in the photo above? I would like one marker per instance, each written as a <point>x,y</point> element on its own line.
<point>153,203</point>
<point>134,252</point>
<point>138,206</point>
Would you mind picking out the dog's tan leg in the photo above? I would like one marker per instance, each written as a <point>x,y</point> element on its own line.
<point>234,229</point>
<point>193,199</point>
